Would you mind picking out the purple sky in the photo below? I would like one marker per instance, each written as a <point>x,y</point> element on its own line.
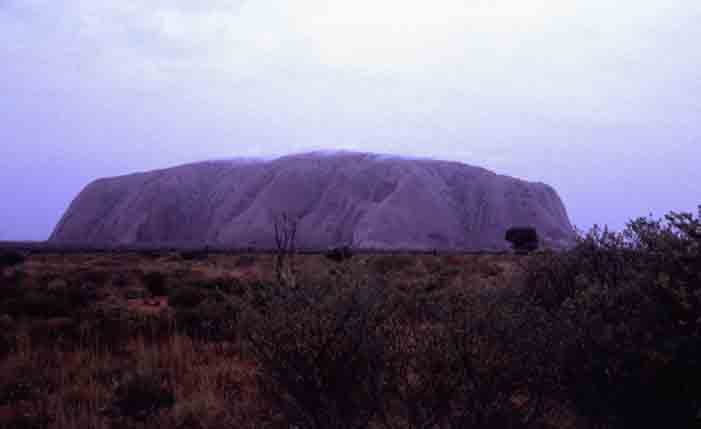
<point>600,99</point>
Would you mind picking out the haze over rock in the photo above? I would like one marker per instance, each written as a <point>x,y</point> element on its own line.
<point>340,198</point>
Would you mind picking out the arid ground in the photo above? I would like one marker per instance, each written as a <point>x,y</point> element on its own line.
<point>607,334</point>
<point>79,327</point>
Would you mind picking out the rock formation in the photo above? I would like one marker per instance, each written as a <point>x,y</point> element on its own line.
<point>345,198</point>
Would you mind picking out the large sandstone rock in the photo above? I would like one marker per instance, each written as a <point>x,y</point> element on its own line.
<point>345,198</point>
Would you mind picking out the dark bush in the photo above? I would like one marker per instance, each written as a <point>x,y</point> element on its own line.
<point>257,294</point>
<point>523,239</point>
<point>211,320</point>
<point>10,258</point>
<point>351,356</point>
<point>80,296</point>
<point>630,305</point>
<point>215,285</point>
<point>15,392</point>
<point>245,261</point>
<point>135,293</point>
<point>386,264</point>
<point>98,278</point>
<point>459,358</point>
<point>7,344</point>
<point>39,304</point>
<point>109,326</point>
<point>600,256</point>
<point>141,395</point>
<point>120,280</point>
<point>27,421</point>
<point>23,383</point>
<point>155,283</point>
<point>150,254</point>
<point>339,254</point>
<point>61,331</point>
<point>10,291</point>
<point>321,355</point>
<point>186,296</point>
<point>195,255</point>
<point>11,285</point>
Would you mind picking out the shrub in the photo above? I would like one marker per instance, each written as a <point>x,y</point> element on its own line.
<point>7,344</point>
<point>523,239</point>
<point>120,281</point>
<point>76,296</point>
<point>155,283</point>
<point>94,276</point>
<point>321,356</point>
<point>150,254</point>
<point>10,292</point>
<point>457,358</point>
<point>630,304</point>
<point>194,255</point>
<point>10,258</point>
<point>75,400</point>
<point>141,395</point>
<point>109,326</point>
<point>339,254</point>
<point>245,261</point>
<point>258,294</point>
<point>57,331</point>
<point>215,285</point>
<point>11,287</point>
<point>22,383</point>
<point>351,355</point>
<point>80,296</point>
<point>202,412</point>
<point>27,421</point>
<point>186,297</point>
<point>135,293</point>
<point>211,320</point>
<point>39,304</point>
<point>386,264</point>
<point>439,280</point>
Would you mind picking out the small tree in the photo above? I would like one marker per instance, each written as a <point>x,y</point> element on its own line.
<point>523,239</point>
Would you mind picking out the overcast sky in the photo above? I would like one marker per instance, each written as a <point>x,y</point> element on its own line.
<point>600,99</point>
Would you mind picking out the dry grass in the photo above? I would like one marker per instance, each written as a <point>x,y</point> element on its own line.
<point>62,372</point>
<point>75,389</point>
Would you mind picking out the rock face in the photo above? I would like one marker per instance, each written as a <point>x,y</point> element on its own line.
<point>346,198</point>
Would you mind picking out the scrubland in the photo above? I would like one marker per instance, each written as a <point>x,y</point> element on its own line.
<point>604,335</point>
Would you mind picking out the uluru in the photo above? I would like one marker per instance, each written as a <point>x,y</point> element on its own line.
<point>362,200</point>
